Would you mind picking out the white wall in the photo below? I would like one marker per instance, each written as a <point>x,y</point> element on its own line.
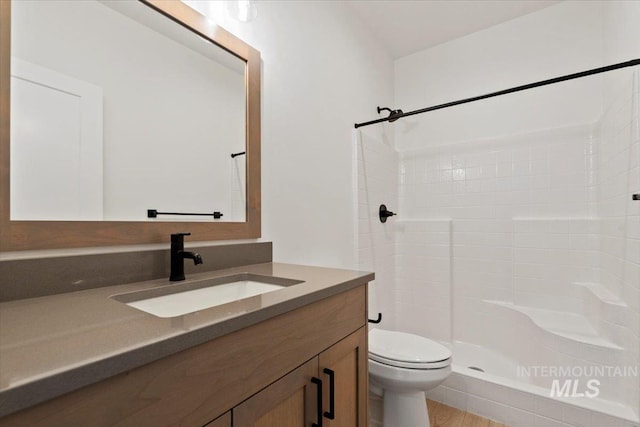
<point>322,72</point>
<point>558,40</point>
<point>621,37</point>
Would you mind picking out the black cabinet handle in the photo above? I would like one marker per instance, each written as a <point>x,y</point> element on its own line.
<point>331,414</point>
<point>318,383</point>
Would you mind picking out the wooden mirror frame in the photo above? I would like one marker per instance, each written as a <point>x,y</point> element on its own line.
<point>24,235</point>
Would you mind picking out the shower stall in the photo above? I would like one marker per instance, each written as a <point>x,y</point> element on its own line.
<point>517,238</point>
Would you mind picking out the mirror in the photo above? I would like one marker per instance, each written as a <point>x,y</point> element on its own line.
<point>138,113</point>
<point>122,115</point>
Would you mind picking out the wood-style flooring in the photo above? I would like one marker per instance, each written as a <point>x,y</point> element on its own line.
<point>441,415</point>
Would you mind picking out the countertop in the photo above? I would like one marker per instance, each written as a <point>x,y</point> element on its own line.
<point>56,344</point>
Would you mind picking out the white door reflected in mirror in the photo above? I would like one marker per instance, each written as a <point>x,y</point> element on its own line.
<point>56,145</point>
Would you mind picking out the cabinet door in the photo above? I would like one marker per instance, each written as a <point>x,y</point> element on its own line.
<point>289,402</point>
<point>221,421</point>
<point>346,361</point>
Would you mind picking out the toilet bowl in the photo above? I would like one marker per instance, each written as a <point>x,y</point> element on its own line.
<point>404,366</point>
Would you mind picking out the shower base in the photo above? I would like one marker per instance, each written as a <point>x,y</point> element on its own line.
<point>499,394</point>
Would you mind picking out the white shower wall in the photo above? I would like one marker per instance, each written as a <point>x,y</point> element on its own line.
<point>618,169</point>
<point>423,278</point>
<point>521,227</point>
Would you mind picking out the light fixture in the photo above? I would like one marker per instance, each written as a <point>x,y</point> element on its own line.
<point>242,10</point>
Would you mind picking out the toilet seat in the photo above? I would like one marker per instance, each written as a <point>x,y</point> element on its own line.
<point>410,365</point>
<point>404,350</point>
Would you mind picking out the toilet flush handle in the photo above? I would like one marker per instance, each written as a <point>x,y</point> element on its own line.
<point>378,320</point>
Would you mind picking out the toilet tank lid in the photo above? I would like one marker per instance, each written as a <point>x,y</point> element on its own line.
<point>406,347</point>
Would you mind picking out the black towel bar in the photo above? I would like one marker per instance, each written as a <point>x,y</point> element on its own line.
<point>152,213</point>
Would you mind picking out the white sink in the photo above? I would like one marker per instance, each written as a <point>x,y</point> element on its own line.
<point>180,299</point>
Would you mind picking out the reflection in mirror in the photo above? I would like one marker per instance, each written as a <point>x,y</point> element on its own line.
<point>116,110</point>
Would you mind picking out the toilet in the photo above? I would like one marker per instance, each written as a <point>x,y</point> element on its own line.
<point>403,366</point>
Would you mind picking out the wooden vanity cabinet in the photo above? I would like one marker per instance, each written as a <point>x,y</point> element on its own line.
<point>348,361</point>
<point>222,421</point>
<point>289,402</point>
<point>293,400</point>
<point>257,376</point>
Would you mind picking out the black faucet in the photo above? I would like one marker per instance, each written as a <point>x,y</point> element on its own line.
<point>178,255</point>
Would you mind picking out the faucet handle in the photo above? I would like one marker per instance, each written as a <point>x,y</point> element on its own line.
<point>178,238</point>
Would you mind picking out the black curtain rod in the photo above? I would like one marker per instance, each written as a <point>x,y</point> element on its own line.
<point>630,63</point>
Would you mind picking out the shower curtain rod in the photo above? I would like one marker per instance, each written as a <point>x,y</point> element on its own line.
<point>593,71</point>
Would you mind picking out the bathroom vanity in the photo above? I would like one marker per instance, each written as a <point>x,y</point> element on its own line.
<point>296,356</point>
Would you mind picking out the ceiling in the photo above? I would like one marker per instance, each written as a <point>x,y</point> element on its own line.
<point>409,26</point>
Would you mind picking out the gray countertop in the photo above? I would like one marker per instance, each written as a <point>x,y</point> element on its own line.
<point>56,344</point>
